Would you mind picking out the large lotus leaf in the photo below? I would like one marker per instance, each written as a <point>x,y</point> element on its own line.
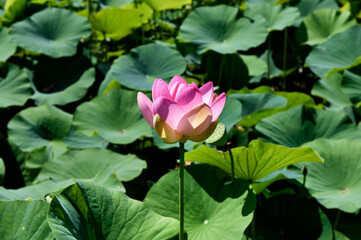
<point>36,191</point>
<point>76,140</point>
<point>90,211</point>
<point>256,66</point>
<point>351,86</point>
<point>331,56</point>
<point>308,6</point>
<point>300,125</point>
<point>109,20</point>
<point>114,116</point>
<point>337,182</point>
<point>330,89</point>
<point>144,64</point>
<point>37,127</point>
<point>61,85</point>
<point>256,161</point>
<point>262,109</point>
<point>100,165</point>
<point>14,88</point>
<point>288,216</point>
<point>277,18</point>
<point>14,9</point>
<point>212,209</point>
<point>24,220</point>
<point>256,106</point>
<point>145,9</point>
<point>53,31</point>
<point>224,32</point>
<point>324,23</point>
<point>231,114</point>
<point>160,5</point>
<point>7,46</point>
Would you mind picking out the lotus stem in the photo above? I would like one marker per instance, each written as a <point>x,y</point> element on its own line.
<point>269,57</point>
<point>181,191</point>
<point>284,59</point>
<point>232,163</point>
<point>336,223</point>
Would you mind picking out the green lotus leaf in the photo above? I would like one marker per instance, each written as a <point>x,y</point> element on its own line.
<point>300,125</point>
<point>231,114</point>
<point>212,209</point>
<point>288,216</point>
<point>224,32</point>
<point>37,191</point>
<point>331,56</point>
<point>108,20</point>
<point>15,88</point>
<point>308,6</point>
<point>160,5</point>
<point>60,86</point>
<point>54,32</point>
<point>99,165</point>
<point>340,90</point>
<point>24,220</point>
<point>324,23</point>
<point>7,46</point>
<point>14,9</point>
<point>277,18</point>
<point>145,9</point>
<point>114,116</point>
<point>336,183</point>
<point>143,65</point>
<point>256,161</point>
<point>89,211</point>
<point>37,127</point>
<point>256,66</point>
<point>256,106</point>
<point>262,111</point>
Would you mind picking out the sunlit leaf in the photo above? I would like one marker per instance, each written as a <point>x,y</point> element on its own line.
<point>160,5</point>
<point>256,161</point>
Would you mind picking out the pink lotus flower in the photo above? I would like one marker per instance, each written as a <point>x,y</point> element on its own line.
<point>182,111</point>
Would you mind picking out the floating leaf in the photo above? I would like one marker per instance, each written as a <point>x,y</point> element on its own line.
<point>277,18</point>
<point>99,165</point>
<point>143,65</point>
<point>160,5</point>
<point>53,31</point>
<point>212,210</point>
<point>24,220</point>
<point>90,211</point>
<point>7,46</point>
<point>337,182</point>
<point>324,23</point>
<point>114,116</point>
<point>224,32</point>
<point>14,88</point>
<point>108,20</point>
<point>331,56</point>
<point>300,125</point>
<point>256,161</point>
<point>37,127</point>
